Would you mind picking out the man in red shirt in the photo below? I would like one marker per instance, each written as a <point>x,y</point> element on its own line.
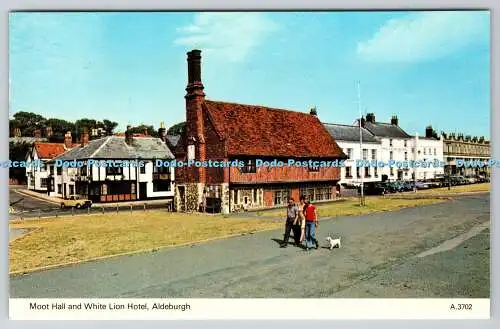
<point>311,225</point>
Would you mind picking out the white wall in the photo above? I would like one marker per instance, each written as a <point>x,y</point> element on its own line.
<point>38,172</point>
<point>427,150</point>
<point>357,155</point>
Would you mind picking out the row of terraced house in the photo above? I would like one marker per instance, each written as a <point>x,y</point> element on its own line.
<point>225,131</point>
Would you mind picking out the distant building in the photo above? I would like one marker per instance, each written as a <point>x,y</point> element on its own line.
<point>115,183</point>
<point>348,138</point>
<point>466,148</point>
<point>427,148</point>
<point>229,131</point>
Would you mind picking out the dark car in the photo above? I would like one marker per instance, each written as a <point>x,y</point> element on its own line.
<point>393,187</point>
<point>373,188</point>
<point>407,186</point>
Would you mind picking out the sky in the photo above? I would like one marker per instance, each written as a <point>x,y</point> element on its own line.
<point>428,68</point>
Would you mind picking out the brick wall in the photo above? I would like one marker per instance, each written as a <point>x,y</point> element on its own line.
<point>284,174</point>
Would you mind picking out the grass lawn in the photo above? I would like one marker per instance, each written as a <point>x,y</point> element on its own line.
<point>483,187</point>
<point>78,238</point>
<point>350,206</point>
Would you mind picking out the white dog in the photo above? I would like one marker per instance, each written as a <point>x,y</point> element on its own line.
<point>334,242</point>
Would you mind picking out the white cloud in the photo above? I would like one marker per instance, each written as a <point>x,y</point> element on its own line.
<point>230,36</point>
<point>425,36</point>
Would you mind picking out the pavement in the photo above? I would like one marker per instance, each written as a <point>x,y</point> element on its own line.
<point>434,251</point>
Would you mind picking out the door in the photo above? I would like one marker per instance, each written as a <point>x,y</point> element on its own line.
<point>143,191</point>
<point>400,174</point>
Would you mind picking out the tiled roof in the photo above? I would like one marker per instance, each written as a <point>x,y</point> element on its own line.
<point>381,129</point>
<point>349,133</point>
<point>49,150</point>
<point>114,147</point>
<point>262,131</point>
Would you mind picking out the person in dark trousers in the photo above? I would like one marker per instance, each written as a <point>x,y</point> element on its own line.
<point>292,214</point>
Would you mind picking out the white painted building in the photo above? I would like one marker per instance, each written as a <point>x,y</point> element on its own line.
<point>37,175</point>
<point>428,148</point>
<point>348,138</point>
<point>123,178</point>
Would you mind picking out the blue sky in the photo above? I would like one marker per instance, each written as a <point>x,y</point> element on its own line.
<point>425,67</point>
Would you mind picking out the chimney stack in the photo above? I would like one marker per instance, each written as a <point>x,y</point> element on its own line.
<point>370,117</point>
<point>68,140</point>
<point>194,114</point>
<point>85,136</point>
<point>394,120</point>
<point>128,136</point>
<point>162,131</point>
<point>429,132</point>
<point>48,131</point>
<point>314,111</point>
<point>363,121</point>
<point>37,133</point>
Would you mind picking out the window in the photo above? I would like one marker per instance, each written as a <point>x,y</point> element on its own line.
<point>43,182</point>
<point>59,188</point>
<point>235,197</point>
<point>412,150</point>
<point>111,171</point>
<point>390,155</point>
<point>392,172</point>
<point>367,171</point>
<point>434,151</point>
<point>349,153</point>
<point>425,151</point>
<point>374,154</point>
<point>365,154</point>
<point>83,170</point>
<point>405,143</point>
<point>390,142</point>
<point>308,193</point>
<point>161,186</point>
<point>323,193</point>
<point>357,172</point>
<point>255,196</point>
<point>163,170</point>
<point>51,170</point>
<point>132,188</point>
<point>281,197</point>
<point>142,169</point>
<point>406,173</point>
<point>312,168</point>
<point>375,171</point>
<point>406,155</point>
<point>348,172</point>
<point>249,167</point>
<point>104,189</point>
<point>59,171</point>
<point>42,168</point>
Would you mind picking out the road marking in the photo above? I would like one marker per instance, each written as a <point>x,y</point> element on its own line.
<point>452,243</point>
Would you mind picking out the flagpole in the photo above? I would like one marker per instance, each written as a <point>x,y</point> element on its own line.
<point>360,142</point>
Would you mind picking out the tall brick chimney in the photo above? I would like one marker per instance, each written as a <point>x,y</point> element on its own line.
<point>85,136</point>
<point>194,114</point>
<point>394,120</point>
<point>68,140</point>
<point>128,136</point>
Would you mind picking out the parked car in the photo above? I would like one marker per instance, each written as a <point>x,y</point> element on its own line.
<point>421,185</point>
<point>76,201</point>
<point>373,188</point>
<point>407,186</point>
<point>434,182</point>
<point>393,187</point>
<point>471,180</point>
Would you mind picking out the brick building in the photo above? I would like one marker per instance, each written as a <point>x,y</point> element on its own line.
<point>228,131</point>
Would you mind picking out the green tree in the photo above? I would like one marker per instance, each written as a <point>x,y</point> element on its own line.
<point>28,122</point>
<point>176,129</point>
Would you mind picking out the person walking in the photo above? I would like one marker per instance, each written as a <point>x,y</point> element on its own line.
<point>311,225</point>
<point>302,218</point>
<point>292,213</point>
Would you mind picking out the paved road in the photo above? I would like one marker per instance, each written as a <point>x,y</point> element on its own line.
<point>378,259</point>
<point>30,207</point>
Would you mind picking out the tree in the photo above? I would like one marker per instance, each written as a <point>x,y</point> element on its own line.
<point>18,152</point>
<point>109,126</point>
<point>28,122</point>
<point>141,129</point>
<point>176,129</point>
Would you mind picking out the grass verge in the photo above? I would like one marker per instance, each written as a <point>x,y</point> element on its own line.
<point>80,238</point>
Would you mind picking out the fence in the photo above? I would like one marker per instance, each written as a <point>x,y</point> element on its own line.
<point>21,213</point>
